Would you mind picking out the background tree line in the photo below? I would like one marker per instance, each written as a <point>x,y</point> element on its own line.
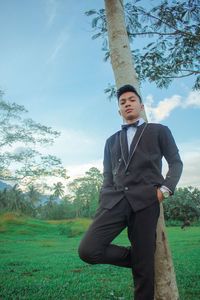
<point>82,200</point>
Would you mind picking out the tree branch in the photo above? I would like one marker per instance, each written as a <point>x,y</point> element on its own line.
<point>169,25</point>
<point>152,32</point>
<point>181,76</point>
<point>193,71</point>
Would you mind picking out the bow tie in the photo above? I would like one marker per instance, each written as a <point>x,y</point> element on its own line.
<point>126,126</point>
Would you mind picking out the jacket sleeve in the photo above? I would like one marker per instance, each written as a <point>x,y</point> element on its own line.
<point>171,154</point>
<point>107,168</point>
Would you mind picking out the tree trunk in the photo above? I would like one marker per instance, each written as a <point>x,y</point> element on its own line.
<point>124,72</point>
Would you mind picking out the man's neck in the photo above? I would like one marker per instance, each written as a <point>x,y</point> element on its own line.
<point>132,120</point>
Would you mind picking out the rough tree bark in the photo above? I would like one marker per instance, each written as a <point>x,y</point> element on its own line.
<point>124,72</point>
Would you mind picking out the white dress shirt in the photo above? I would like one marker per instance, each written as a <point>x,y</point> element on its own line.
<point>131,133</point>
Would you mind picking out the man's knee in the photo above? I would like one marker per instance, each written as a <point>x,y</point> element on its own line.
<point>88,254</point>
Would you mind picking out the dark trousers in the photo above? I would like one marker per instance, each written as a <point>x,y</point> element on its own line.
<point>96,247</point>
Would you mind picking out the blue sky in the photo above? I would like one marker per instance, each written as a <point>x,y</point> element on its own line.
<point>50,64</point>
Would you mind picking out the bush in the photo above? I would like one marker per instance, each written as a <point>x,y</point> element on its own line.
<point>65,229</point>
<point>74,228</point>
<point>183,205</point>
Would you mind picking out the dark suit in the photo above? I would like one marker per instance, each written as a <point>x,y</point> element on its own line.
<point>129,198</point>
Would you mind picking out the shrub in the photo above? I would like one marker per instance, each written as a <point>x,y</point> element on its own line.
<point>74,228</point>
<point>183,205</point>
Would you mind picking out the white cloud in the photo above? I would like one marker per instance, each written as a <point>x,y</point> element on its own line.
<point>75,171</point>
<point>51,9</point>
<point>62,38</point>
<point>190,155</point>
<point>192,99</point>
<point>165,107</point>
<point>75,147</point>
<point>77,150</point>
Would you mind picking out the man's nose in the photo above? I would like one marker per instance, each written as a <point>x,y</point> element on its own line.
<point>127,104</point>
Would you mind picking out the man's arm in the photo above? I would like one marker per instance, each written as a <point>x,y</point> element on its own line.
<point>171,154</point>
<point>107,168</point>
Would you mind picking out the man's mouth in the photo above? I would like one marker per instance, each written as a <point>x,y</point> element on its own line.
<point>129,110</point>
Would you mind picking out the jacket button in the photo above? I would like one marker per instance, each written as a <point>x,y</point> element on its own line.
<point>127,173</point>
<point>126,188</point>
<point>119,160</point>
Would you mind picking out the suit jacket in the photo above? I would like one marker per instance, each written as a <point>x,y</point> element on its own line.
<point>137,175</point>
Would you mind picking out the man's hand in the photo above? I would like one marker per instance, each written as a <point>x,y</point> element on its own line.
<point>160,196</point>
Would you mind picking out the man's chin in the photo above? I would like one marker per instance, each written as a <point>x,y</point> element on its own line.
<point>132,118</point>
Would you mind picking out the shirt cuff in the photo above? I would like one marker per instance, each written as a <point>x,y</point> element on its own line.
<point>166,188</point>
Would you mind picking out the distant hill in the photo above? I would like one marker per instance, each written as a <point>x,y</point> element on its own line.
<point>4,185</point>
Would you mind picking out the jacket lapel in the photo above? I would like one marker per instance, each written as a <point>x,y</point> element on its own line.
<point>124,146</point>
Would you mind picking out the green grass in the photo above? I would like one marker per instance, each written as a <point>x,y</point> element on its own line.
<point>39,260</point>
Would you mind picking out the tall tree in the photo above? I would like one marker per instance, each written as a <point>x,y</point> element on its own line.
<point>58,189</point>
<point>86,192</point>
<point>20,139</point>
<point>122,63</point>
<point>183,205</point>
<point>16,200</point>
<point>33,201</point>
<point>172,39</point>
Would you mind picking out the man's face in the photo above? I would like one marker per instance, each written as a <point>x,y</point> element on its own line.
<point>130,107</point>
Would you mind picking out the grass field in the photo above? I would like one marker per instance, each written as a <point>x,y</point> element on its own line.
<point>39,260</point>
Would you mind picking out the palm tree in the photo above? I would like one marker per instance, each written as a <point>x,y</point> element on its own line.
<point>58,190</point>
<point>33,194</point>
<point>16,199</point>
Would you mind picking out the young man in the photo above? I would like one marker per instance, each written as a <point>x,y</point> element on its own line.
<point>132,189</point>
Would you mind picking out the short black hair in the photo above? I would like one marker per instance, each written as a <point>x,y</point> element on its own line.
<point>127,88</point>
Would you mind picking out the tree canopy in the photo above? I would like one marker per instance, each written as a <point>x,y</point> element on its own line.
<point>86,192</point>
<point>20,141</point>
<point>172,39</point>
<point>183,205</point>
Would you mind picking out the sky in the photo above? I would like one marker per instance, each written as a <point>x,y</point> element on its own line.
<point>50,64</point>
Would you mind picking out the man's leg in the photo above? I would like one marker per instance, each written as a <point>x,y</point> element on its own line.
<point>142,235</point>
<point>95,247</point>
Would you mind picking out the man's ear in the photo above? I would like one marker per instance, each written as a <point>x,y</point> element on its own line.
<point>142,106</point>
<point>119,112</point>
